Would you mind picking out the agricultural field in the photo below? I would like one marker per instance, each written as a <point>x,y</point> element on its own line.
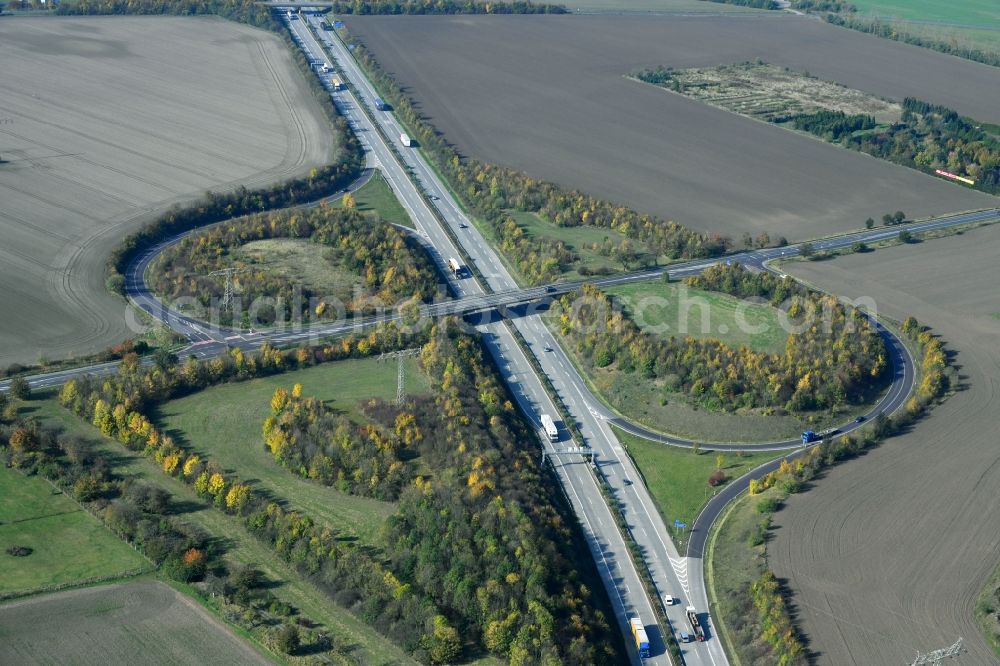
<point>974,23</point>
<point>104,122</point>
<point>115,623</point>
<point>68,544</point>
<point>887,554</point>
<point>551,95</point>
<point>224,423</point>
<point>685,7</point>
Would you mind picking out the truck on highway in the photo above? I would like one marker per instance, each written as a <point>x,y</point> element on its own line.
<point>692,616</point>
<point>291,15</point>
<point>336,83</point>
<point>326,68</point>
<point>639,634</point>
<point>551,431</point>
<point>405,139</point>
<point>808,437</point>
<point>454,266</point>
<point>380,104</point>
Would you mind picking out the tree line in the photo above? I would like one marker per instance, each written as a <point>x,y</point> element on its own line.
<point>362,7</point>
<point>477,549</point>
<point>927,137</point>
<point>390,265</point>
<point>492,191</point>
<point>837,357</point>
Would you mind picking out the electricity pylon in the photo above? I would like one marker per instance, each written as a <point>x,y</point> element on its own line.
<point>228,272</point>
<point>400,357</point>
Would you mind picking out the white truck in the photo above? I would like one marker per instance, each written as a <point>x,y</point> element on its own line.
<point>550,428</point>
<point>405,139</point>
<point>454,266</point>
<point>336,83</point>
<point>326,68</point>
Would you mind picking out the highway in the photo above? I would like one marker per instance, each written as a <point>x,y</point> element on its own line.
<point>440,223</point>
<point>607,546</point>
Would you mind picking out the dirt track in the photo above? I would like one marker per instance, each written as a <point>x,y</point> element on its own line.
<point>887,553</point>
<point>139,622</point>
<point>548,94</point>
<point>106,121</point>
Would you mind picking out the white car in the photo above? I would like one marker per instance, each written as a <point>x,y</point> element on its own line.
<point>669,600</point>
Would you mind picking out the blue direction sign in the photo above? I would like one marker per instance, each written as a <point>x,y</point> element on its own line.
<point>679,525</point>
<point>338,24</point>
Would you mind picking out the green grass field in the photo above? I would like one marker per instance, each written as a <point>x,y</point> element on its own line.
<point>678,310</point>
<point>678,478</point>
<point>69,544</point>
<point>377,196</point>
<point>344,384</point>
<point>973,23</point>
<point>224,423</point>
<point>302,262</point>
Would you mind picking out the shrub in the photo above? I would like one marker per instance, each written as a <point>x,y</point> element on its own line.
<point>19,551</point>
<point>716,478</point>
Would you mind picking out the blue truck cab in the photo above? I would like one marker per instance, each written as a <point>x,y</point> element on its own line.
<point>809,437</point>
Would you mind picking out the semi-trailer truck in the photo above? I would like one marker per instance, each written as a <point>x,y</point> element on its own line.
<point>692,616</point>
<point>405,139</point>
<point>550,428</point>
<point>641,639</point>
<point>336,83</point>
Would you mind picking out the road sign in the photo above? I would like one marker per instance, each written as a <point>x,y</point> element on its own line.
<point>679,525</point>
<point>338,24</point>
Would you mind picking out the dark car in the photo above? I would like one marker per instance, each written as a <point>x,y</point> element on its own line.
<point>860,419</point>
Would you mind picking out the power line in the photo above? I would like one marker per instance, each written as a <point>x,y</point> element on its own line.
<point>228,273</point>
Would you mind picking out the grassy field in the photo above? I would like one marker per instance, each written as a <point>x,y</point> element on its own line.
<point>561,81</point>
<point>69,544</point>
<point>112,120</point>
<point>972,22</point>
<point>224,423</point>
<point>370,647</point>
<point>678,310</point>
<point>303,262</point>
<point>875,514</point>
<point>648,401</point>
<point>678,478</point>
<point>115,623</point>
<point>377,196</point>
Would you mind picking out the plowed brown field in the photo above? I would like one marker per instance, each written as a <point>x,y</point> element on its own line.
<point>549,95</point>
<point>887,553</point>
<point>105,121</point>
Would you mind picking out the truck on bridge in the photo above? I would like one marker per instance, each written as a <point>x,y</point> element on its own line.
<point>551,431</point>
<point>454,266</point>
<point>692,616</point>
<point>640,637</point>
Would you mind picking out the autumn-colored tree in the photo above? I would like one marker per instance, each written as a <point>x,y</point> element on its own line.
<point>238,497</point>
